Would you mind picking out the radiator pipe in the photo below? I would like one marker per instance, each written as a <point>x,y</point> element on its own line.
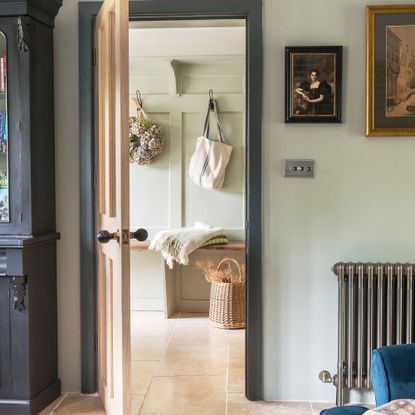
<point>350,328</point>
<point>380,307</point>
<point>389,306</point>
<point>341,337</point>
<point>370,326</point>
<point>410,304</point>
<point>399,304</point>
<point>360,326</point>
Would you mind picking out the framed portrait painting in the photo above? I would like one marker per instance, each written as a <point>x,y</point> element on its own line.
<point>313,84</point>
<point>390,70</point>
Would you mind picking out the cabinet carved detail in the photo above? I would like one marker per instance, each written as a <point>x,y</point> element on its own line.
<point>18,291</point>
<point>23,34</point>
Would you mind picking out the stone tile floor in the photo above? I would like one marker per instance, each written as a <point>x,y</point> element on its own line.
<point>184,366</point>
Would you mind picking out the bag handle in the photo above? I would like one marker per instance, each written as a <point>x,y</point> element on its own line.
<point>240,279</point>
<point>221,135</point>
<point>207,122</point>
<point>213,105</point>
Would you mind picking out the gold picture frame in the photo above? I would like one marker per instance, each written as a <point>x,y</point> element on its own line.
<point>390,57</point>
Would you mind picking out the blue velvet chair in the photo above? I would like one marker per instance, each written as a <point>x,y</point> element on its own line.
<point>393,373</point>
<point>345,410</point>
<point>393,377</point>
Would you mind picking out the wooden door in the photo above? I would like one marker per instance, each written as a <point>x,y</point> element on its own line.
<point>114,360</point>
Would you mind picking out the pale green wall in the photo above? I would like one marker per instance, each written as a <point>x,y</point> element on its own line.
<point>359,206</point>
<point>162,195</point>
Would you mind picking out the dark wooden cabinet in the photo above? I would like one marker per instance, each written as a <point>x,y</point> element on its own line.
<point>28,306</point>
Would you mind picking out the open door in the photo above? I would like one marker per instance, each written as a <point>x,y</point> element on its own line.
<point>113,256</point>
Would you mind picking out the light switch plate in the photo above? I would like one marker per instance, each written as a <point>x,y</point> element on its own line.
<point>298,168</point>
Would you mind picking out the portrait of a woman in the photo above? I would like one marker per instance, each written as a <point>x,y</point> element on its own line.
<point>313,84</point>
<point>313,96</point>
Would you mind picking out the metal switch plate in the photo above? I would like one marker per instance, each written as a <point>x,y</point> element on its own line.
<point>299,168</point>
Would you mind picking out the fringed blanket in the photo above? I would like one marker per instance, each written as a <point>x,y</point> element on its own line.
<point>178,244</point>
<point>398,407</point>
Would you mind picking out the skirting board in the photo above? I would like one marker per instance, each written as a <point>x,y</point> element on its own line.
<point>193,306</point>
<point>147,304</point>
<point>32,406</point>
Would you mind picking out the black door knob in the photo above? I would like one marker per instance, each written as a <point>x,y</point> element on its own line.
<point>105,236</point>
<point>140,234</point>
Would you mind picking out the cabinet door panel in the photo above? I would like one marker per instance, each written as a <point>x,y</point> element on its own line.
<point>17,128</point>
<point>5,355</point>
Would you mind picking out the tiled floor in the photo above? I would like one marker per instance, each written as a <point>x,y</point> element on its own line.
<point>184,366</point>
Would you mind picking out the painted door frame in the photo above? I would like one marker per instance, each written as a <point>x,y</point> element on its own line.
<point>251,11</point>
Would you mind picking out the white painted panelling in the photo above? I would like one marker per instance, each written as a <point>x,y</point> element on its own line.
<point>192,290</point>
<point>162,194</point>
<point>150,186</point>
<point>150,85</point>
<point>222,77</point>
<point>149,76</point>
<point>147,275</point>
<point>219,207</point>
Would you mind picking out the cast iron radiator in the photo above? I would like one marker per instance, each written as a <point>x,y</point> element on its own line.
<point>376,308</point>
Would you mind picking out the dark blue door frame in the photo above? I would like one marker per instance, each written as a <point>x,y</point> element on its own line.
<point>251,11</point>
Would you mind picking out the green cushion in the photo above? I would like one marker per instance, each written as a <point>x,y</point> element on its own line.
<point>217,240</point>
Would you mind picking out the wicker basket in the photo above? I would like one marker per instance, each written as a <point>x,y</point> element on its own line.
<point>227,301</point>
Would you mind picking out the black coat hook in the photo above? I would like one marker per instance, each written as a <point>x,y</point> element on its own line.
<point>211,99</point>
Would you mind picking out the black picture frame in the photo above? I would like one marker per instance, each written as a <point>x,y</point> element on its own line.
<point>303,65</point>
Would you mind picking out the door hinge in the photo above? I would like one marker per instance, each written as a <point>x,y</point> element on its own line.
<point>95,179</point>
<point>94,56</point>
<point>96,342</point>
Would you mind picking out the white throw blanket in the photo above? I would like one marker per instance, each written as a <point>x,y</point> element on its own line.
<point>178,244</point>
<point>397,407</point>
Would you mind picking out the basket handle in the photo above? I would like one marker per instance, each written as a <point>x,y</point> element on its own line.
<point>235,262</point>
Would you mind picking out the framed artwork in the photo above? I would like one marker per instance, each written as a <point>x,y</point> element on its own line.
<point>390,70</point>
<point>313,84</point>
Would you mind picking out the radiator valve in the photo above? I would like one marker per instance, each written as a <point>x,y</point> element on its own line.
<point>325,377</point>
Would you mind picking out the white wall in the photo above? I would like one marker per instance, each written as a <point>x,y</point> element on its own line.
<point>359,206</point>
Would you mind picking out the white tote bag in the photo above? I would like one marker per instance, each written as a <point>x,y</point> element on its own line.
<point>210,158</point>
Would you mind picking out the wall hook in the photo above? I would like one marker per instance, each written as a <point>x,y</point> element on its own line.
<point>139,100</point>
<point>211,99</point>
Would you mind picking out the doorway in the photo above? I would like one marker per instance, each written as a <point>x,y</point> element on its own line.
<point>251,12</point>
<point>177,70</point>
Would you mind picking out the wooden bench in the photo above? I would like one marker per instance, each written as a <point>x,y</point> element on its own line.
<point>170,275</point>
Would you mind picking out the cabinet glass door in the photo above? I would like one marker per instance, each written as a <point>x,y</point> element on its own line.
<point>4,159</point>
